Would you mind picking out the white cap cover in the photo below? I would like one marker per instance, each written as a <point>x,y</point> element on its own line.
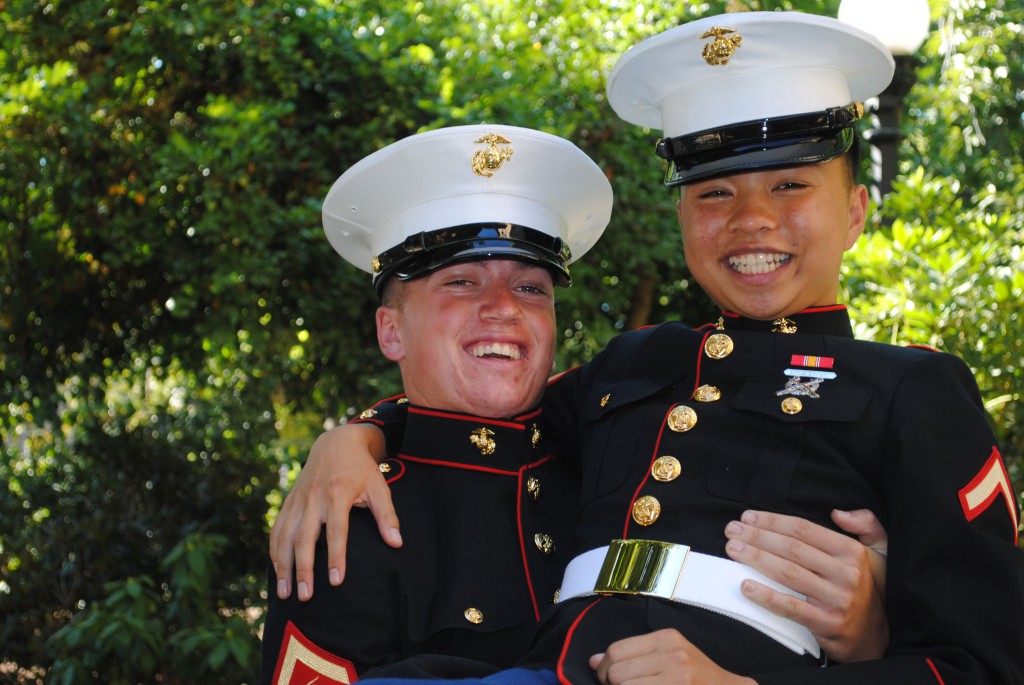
<point>468,192</point>
<point>696,80</point>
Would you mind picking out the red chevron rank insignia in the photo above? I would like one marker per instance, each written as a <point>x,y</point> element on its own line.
<point>991,482</point>
<point>301,662</point>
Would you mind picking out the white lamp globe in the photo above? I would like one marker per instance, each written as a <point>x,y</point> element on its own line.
<point>902,25</point>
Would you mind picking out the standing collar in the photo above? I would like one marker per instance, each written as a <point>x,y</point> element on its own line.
<point>464,439</point>
<point>829,320</point>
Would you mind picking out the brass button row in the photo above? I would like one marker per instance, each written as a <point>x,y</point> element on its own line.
<point>647,509</point>
<point>681,419</point>
<point>665,469</point>
<point>544,543</point>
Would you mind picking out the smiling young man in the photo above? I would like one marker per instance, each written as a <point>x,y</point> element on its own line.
<point>474,335</point>
<point>776,406</point>
<point>467,230</point>
<point>770,243</point>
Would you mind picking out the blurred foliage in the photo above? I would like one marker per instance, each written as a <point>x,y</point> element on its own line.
<point>138,629</point>
<point>943,264</point>
<point>175,328</point>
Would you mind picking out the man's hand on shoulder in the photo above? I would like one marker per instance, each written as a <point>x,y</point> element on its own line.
<point>341,473</point>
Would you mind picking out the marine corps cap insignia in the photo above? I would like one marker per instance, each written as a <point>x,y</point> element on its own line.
<point>718,51</point>
<point>486,162</point>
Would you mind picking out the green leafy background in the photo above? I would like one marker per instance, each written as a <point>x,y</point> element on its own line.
<point>175,330</point>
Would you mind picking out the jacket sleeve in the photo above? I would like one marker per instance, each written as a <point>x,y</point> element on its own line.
<point>342,631</point>
<point>955,578</point>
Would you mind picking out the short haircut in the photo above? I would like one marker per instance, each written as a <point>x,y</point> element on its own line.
<point>393,293</point>
<point>852,157</point>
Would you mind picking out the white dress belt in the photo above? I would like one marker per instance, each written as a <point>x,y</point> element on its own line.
<point>670,571</point>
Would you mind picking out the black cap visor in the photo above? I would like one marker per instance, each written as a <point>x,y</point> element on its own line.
<point>758,145</point>
<point>426,252</point>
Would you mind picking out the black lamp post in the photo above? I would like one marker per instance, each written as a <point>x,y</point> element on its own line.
<point>885,137</point>
<point>903,26</point>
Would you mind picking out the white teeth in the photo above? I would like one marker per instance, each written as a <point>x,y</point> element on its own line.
<point>760,263</point>
<point>503,350</point>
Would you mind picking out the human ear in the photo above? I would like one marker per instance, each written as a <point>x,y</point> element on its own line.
<point>679,214</point>
<point>858,214</point>
<point>389,333</point>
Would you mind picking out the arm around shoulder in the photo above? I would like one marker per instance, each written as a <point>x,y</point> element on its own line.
<point>341,473</point>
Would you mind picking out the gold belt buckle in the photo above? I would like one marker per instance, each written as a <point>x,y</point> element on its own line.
<point>644,567</point>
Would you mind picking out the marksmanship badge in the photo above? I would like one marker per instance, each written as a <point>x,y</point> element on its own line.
<point>817,369</point>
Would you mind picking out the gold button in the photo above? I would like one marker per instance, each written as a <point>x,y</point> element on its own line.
<point>375,264</point>
<point>544,543</point>
<point>792,405</point>
<point>605,400</point>
<point>666,469</point>
<point>718,346</point>
<point>682,419</point>
<point>534,435</point>
<point>385,468</point>
<point>474,615</point>
<point>707,393</point>
<point>533,487</point>
<point>646,510</point>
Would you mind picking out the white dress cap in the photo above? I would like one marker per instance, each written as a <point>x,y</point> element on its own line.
<point>747,67</point>
<point>468,192</point>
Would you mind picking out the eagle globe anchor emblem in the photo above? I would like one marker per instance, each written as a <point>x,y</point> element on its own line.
<point>723,45</point>
<point>486,162</point>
